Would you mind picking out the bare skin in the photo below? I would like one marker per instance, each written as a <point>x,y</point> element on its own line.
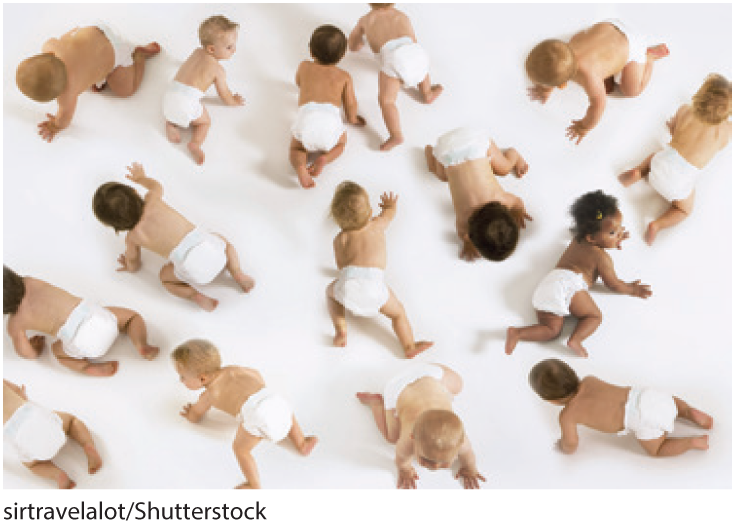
<point>227,389</point>
<point>90,59</point>
<point>697,142</point>
<point>46,308</point>
<point>160,229</point>
<point>323,84</point>
<point>601,406</point>
<point>396,425</point>
<point>588,258</point>
<point>13,398</point>
<point>365,247</point>
<point>601,52</point>
<point>473,184</point>
<point>200,71</point>
<point>379,26</point>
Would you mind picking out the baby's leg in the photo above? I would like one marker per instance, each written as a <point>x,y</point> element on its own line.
<point>548,328</point>
<point>631,176</point>
<point>49,470</point>
<point>124,81</point>
<point>388,89</point>
<point>330,156</point>
<point>245,282</point>
<point>636,76</point>
<point>434,165</point>
<point>243,446</point>
<point>299,158</point>
<point>385,420</point>
<point>670,447</point>
<point>589,319</point>
<point>677,212</point>
<point>451,380</point>
<point>394,310</point>
<point>183,290</point>
<point>77,431</point>
<point>173,132</point>
<point>304,445</point>
<point>82,365</point>
<point>428,91</point>
<point>132,324</point>
<point>685,411</point>
<point>199,130</point>
<point>337,314</point>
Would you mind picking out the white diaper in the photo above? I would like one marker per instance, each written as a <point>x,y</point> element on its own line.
<point>404,59</point>
<point>649,413</point>
<point>671,175</point>
<point>414,372</point>
<point>637,46</point>
<point>461,145</point>
<point>362,290</point>
<point>318,126</point>
<point>199,257</point>
<point>36,432</point>
<point>266,414</point>
<point>182,104</point>
<point>555,292</point>
<point>122,48</point>
<point>89,331</point>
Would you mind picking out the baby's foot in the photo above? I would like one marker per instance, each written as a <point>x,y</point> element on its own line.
<point>196,151</point>
<point>64,482</point>
<point>578,348</point>
<point>701,418</point>
<point>630,177</point>
<point>205,302</point>
<point>701,442</point>
<point>148,352</point>
<point>651,232</point>
<point>391,143</point>
<point>521,167</point>
<point>244,485</point>
<point>308,445</point>
<point>658,52</point>
<point>512,337</point>
<point>434,93</point>
<point>305,178</point>
<point>340,339</point>
<point>172,133</point>
<point>418,347</point>
<point>94,462</point>
<point>101,369</point>
<point>147,51</point>
<point>370,399</point>
<point>430,160</point>
<point>317,166</point>
<point>245,282</point>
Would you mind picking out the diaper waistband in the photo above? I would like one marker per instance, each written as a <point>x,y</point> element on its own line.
<point>178,87</point>
<point>192,239</point>
<point>348,272</point>
<point>390,45</point>
<point>321,107</point>
<point>78,315</point>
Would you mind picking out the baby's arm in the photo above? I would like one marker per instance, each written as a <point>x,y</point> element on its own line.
<point>540,92</point>
<point>23,346</point>
<point>569,437</point>
<point>611,280</point>
<point>468,251</point>
<point>407,475</point>
<point>67,105</point>
<point>130,260</point>
<point>388,202</point>
<point>220,83</point>
<point>349,100</point>
<point>355,41</point>
<point>503,162</point>
<point>18,390</point>
<point>467,468</point>
<point>137,174</point>
<point>595,89</point>
<point>671,122</point>
<point>195,412</point>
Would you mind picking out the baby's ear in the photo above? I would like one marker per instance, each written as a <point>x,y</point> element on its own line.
<point>209,48</point>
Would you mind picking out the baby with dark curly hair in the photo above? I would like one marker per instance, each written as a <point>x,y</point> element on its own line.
<point>564,291</point>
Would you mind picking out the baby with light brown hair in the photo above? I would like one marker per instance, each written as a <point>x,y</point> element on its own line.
<point>415,413</point>
<point>698,132</point>
<point>85,57</point>
<point>359,250</point>
<point>242,393</point>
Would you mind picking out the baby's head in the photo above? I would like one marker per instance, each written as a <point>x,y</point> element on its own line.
<point>437,436</point>
<point>381,6</point>
<point>195,361</point>
<point>551,63</point>
<point>328,44</point>
<point>351,206</point>
<point>13,291</point>
<point>597,220</point>
<point>494,230</point>
<point>42,77</point>
<point>118,206</point>
<point>218,36</point>
<point>713,102</point>
<point>553,380</point>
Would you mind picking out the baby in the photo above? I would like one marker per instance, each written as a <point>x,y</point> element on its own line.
<point>82,58</point>
<point>323,89</point>
<point>698,132</point>
<point>390,35</point>
<point>242,393</point>
<point>488,218</point>
<point>85,330</point>
<point>597,58</point>
<point>564,291</point>
<point>359,250</point>
<point>195,256</point>
<point>415,413</point>
<point>182,106</point>
<point>647,413</point>
<point>37,434</point>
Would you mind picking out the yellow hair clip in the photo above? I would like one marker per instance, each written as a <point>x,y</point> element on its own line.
<point>599,215</point>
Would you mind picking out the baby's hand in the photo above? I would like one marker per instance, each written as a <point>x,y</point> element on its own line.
<point>469,478</point>
<point>187,413</point>
<point>540,93</point>
<point>38,342</point>
<point>577,131</point>
<point>625,236</point>
<point>388,200</point>
<point>670,125</point>
<point>407,478</point>
<point>640,290</point>
<point>359,121</point>
<point>125,265</point>
<point>48,129</point>
<point>239,100</point>
<point>469,252</point>
<point>136,172</point>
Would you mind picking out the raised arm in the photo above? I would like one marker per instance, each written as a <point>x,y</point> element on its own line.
<point>355,41</point>
<point>467,472</point>
<point>195,412</point>
<point>569,438</point>
<point>349,100</point>
<point>595,90</point>
<point>137,174</point>
<point>55,123</point>
<point>388,203</point>
<point>611,280</point>
<point>223,90</point>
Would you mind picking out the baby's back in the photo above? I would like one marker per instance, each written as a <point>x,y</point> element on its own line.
<point>161,228</point>
<point>582,258</point>
<point>44,308</point>
<point>384,25</point>
<point>198,71</point>
<point>422,395</point>
<point>324,84</point>
<point>601,51</point>
<point>363,247</point>
<point>233,386</point>
<point>598,405</point>
<point>87,55</point>
<point>472,184</point>
<point>696,141</point>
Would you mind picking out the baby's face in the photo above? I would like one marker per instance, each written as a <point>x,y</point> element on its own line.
<point>443,461</point>
<point>224,45</point>
<point>188,378</point>
<point>612,232</point>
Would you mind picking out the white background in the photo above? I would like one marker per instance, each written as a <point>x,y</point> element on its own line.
<point>679,340</point>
